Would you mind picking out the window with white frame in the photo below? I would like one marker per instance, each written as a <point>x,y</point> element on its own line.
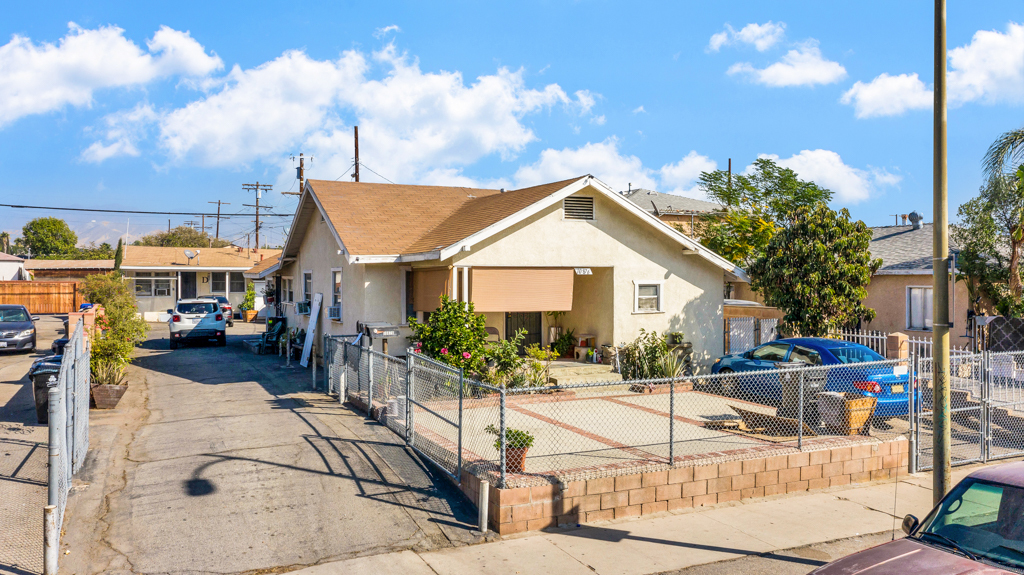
<point>149,284</point>
<point>237,282</point>
<point>307,286</point>
<point>162,284</point>
<point>648,297</point>
<point>919,308</point>
<point>287,292</point>
<point>218,283</point>
<point>336,288</point>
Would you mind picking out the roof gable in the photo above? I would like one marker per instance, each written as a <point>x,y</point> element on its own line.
<point>903,249</point>
<point>659,203</point>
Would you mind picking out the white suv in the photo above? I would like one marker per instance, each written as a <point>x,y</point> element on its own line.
<point>198,319</point>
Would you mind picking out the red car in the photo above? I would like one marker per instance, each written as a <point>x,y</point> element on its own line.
<point>978,527</point>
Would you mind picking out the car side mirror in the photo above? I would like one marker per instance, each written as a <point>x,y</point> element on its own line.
<point>747,355</point>
<point>910,523</point>
<point>35,318</point>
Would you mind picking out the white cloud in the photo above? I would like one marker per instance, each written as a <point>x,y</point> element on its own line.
<point>40,78</point>
<point>803,66</point>
<point>827,169</point>
<point>760,36</point>
<point>602,159</point>
<point>639,110</point>
<point>888,96</point>
<point>123,131</point>
<point>381,32</point>
<point>680,177</point>
<point>585,101</point>
<point>988,69</point>
<point>598,120</point>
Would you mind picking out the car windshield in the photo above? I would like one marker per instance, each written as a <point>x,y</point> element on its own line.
<point>982,518</point>
<point>201,307</point>
<point>854,354</point>
<point>13,315</point>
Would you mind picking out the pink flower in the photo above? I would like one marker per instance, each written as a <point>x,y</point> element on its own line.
<point>465,355</point>
<point>419,344</point>
<point>415,351</point>
<point>444,351</point>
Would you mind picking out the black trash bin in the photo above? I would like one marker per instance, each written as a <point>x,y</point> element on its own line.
<point>813,384</point>
<point>41,373</point>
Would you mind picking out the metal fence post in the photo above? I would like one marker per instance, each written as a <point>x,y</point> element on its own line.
<point>986,413</point>
<point>912,382</point>
<point>369,384</point>
<point>800,415</point>
<point>51,540</point>
<point>671,421</point>
<point>410,389</point>
<point>53,476</point>
<point>502,438</point>
<point>343,379</point>
<point>461,384</point>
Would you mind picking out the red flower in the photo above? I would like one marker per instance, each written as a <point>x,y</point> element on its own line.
<point>444,351</point>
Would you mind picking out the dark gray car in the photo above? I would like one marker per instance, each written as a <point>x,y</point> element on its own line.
<point>17,328</point>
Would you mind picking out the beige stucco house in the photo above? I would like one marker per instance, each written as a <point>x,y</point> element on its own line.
<point>380,253</point>
<point>160,275</point>
<point>673,209</point>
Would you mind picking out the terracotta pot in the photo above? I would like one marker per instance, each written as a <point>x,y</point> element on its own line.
<point>249,315</point>
<point>515,459</point>
<point>107,396</point>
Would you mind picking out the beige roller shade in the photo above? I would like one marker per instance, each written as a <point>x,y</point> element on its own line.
<point>428,286</point>
<point>521,289</point>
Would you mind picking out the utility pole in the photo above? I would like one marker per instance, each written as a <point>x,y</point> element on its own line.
<point>300,174</point>
<point>168,225</point>
<point>356,174</point>
<point>218,202</point>
<point>941,438</point>
<point>258,188</point>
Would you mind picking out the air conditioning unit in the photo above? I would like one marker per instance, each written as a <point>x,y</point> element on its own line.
<point>302,307</point>
<point>334,312</point>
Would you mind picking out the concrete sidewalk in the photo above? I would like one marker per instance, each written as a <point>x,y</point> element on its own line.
<point>674,542</point>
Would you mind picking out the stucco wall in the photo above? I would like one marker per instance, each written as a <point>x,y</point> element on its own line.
<point>616,239</point>
<point>887,295</point>
<point>11,271</point>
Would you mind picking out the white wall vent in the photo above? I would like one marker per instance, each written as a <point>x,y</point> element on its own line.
<point>578,208</point>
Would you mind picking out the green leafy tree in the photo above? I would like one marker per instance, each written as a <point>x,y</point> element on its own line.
<point>181,237</point>
<point>48,236</point>
<point>119,255</point>
<point>757,205</point>
<point>454,334</point>
<point>991,236</point>
<point>817,271</point>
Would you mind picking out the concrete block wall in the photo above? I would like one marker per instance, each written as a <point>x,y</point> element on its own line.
<point>636,495</point>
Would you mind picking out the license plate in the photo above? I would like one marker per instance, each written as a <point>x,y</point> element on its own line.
<point>197,319</point>
<point>900,370</point>
<point>896,389</point>
<point>3,344</point>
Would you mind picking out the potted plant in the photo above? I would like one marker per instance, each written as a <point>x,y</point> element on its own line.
<point>249,303</point>
<point>677,338</point>
<point>108,384</point>
<point>518,442</point>
<point>565,344</point>
<point>268,294</point>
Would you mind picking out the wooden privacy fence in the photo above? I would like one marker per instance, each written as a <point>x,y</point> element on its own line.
<point>41,297</point>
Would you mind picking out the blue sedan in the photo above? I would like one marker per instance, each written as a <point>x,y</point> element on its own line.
<point>889,384</point>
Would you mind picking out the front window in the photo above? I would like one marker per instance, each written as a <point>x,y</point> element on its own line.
<point>855,354</point>
<point>217,282</point>
<point>237,282</point>
<point>648,297</point>
<point>143,284</point>
<point>771,352</point>
<point>981,518</point>
<point>162,286</point>
<point>307,286</point>
<point>287,294</point>
<point>919,308</point>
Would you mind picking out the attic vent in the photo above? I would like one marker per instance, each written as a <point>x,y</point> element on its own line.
<point>578,208</point>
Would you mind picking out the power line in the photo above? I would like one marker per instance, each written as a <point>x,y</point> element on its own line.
<point>17,206</point>
<point>371,169</point>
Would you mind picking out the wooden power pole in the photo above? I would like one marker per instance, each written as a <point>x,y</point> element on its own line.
<point>258,188</point>
<point>356,174</point>
<point>217,228</point>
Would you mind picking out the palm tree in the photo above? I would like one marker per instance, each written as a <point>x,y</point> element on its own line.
<point>1009,147</point>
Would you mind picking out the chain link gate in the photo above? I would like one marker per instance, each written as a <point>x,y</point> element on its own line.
<point>1004,430</point>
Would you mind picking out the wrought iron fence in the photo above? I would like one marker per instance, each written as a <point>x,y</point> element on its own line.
<point>873,339</point>
<point>526,436</point>
<point>68,422</point>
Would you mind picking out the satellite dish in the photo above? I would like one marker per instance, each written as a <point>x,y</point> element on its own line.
<point>189,254</point>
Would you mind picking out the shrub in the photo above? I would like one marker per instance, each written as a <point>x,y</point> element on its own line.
<point>508,365</point>
<point>565,342</point>
<point>454,334</point>
<point>118,329</point>
<point>249,301</point>
<point>538,365</point>
<point>642,359</point>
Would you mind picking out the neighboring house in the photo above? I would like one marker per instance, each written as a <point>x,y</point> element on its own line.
<point>160,276</point>
<point>901,290</point>
<point>380,253</point>
<point>673,209</point>
<point>11,268</point>
<point>256,274</point>
<point>66,270</point>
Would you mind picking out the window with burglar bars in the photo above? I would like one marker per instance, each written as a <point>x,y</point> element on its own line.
<point>578,208</point>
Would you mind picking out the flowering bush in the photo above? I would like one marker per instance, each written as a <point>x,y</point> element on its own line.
<point>454,334</point>
<point>119,328</point>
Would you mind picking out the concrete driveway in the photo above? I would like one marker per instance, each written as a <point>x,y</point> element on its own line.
<point>219,461</point>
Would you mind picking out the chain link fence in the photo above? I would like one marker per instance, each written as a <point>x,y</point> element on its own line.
<point>519,437</point>
<point>68,434</point>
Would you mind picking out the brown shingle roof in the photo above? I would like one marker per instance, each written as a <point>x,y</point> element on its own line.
<point>263,265</point>
<point>149,256</point>
<point>386,219</point>
<point>69,264</point>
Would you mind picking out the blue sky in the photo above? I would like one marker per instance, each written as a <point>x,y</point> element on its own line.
<point>166,108</point>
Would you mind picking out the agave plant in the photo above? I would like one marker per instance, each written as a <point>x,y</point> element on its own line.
<point>108,373</point>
